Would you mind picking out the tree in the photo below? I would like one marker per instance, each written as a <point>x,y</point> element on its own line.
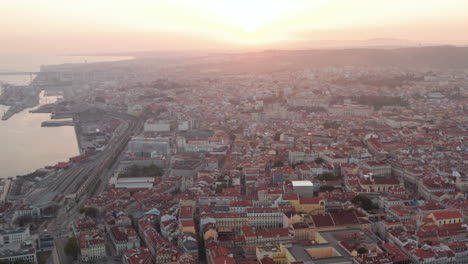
<point>91,212</point>
<point>278,163</point>
<point>220,188</point>
<point>364,202</point>
<point>328,176</point>
<point>361,250</point>
<point>71,247</point>
<point>23,220</point>
<point>326,188</point>
<point>319,160</point>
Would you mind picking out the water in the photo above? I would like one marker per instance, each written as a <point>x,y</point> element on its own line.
<point>24,145</point>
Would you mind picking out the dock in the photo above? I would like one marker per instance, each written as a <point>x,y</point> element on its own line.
<point>57,123</point>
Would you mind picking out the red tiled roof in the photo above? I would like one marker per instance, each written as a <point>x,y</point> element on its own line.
<point>323,220</point>
<point>447,215</point>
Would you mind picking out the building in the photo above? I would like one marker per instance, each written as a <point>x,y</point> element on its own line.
<point>187,243</point>
<point>378,168</point>
<point>446,217</point>
<point>187,167</point>
<point>27,211</point>
<point>226,222</point>
<point>14,235</point>
<point>162,125</point>
<point>303,188</point>
<point>45,242</point>
<point>350,109</point>
<point>137,256</point>
<point>124,238</point>
<point>312,205</point>
<point>184,125</point>
<point>202,141</point>
<point>271,251</point>
<point>24,251</point>
<point>460,249</point>
<point>92,247</point>
<point>84,225</point>
<point>334,158</point>
<point>149,146</point>
<point>132,182</point>
<point>370,183</point>
<point>266,217</point>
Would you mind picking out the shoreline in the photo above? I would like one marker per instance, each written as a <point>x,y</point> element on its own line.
<point>30,111</point>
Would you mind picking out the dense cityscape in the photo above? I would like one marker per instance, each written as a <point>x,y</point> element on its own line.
<point>215,160</point>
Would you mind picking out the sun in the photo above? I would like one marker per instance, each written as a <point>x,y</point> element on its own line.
<point>249,28</point>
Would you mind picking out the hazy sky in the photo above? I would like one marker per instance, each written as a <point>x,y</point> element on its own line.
<point>70,26</point>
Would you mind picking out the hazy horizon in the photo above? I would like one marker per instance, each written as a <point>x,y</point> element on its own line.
<point>65,27</point>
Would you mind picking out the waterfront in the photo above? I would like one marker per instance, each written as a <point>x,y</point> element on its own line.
<point>24,145</point>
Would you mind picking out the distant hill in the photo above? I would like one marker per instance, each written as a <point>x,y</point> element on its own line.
<point>431,57</point>
<point>376,43</point>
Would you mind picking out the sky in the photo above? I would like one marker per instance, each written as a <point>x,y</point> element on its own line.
<point>106,26</point>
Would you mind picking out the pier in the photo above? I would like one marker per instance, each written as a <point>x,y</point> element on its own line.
<point>57,123</point>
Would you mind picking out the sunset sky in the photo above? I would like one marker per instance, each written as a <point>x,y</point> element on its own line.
<point>69,26</point>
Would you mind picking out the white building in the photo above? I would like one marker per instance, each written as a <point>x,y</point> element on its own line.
<point>152,125</point>
<point>92,247</point>
<point>149,146</point>
<point>266,217</point>
<point>14,236</point>
<point>132,182</point>
<point>303,188</point>
<point>27,211</point>
<point>24,251</point>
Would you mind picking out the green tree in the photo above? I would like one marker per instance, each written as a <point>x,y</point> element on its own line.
<point>278,163</point>
<point>91,212</point>
<point>326,188</point>
<point>361,250</point>
<point>24,220</point>
<point>364,202</point>
<point>328,176</point>
<point>220,188</point>
<point>319,160</point>
<point>71,247</point>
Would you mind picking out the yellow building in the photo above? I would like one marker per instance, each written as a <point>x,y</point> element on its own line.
<point>312,205</point>
<point>275,252</point>
<point>187,226</point>
<point>210,233</point>
<point>446,217</point>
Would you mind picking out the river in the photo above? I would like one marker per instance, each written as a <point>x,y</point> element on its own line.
<point>24,145</point>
